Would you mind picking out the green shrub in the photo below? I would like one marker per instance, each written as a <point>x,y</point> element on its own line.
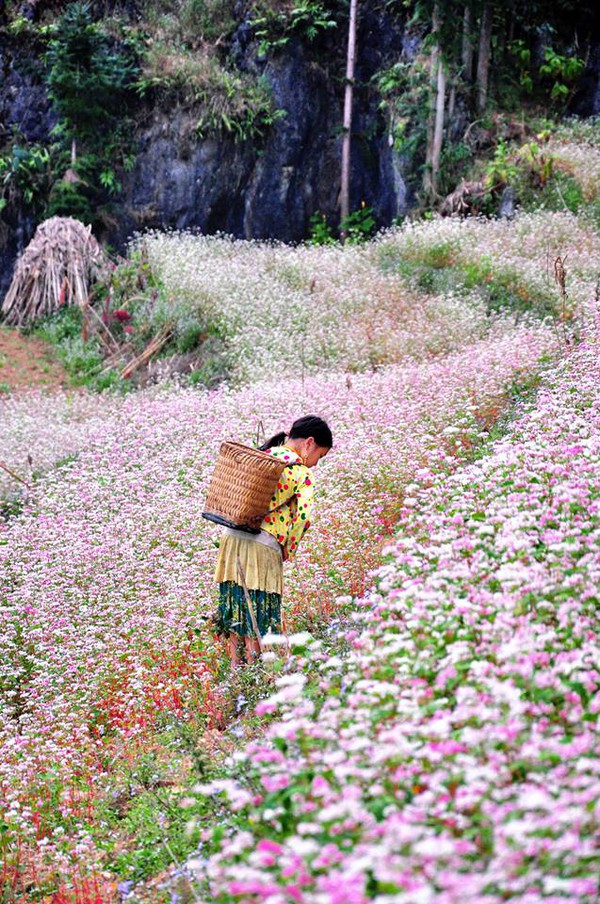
<point>404,90</point>
<point>222,100</point>
<point>274,27</point>
<point>561,72</point>
<point>536,177</point>
<point>211,19</point>
<point>214,367</point>
<point>502,169</point>
<point>25,171</point>
<point>454,160</point>
<point>190,337</point>
<point>189,22</point>
<point>503,290</point>
<point>320,232</point>
<point>62,327</point>
<point>89,72</point>
<point>359,225</point>
<point>83,361</point>
<point>562,192</point>
<point>134,306</point>
<point>89,77</point>
<point>439,270</point>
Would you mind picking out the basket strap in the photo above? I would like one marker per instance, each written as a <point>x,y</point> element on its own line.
<point>281,504</point>
<point>285,501</point>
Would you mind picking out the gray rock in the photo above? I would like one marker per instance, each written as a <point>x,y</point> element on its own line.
<point>264,188</point>
<point>507,203</point>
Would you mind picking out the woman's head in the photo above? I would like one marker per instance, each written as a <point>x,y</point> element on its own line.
<point>310,436</point>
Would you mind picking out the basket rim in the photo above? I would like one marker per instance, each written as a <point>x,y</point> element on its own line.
<point>259,453</point>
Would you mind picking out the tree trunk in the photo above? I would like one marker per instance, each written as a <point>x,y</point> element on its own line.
<point>437,80</point>
<point>483,58</point>
<point>438,132</point>
<point>451,102</point>
<point>467,45</point>
<point>347,124</point>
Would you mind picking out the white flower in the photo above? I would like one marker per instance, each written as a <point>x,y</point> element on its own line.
<point>301,639</point>
<point>274,640</point>
<point>269,656</point>
<point>294,680</point>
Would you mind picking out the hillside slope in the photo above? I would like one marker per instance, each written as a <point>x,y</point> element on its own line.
<point>468,660</point>
<point>452,755</point>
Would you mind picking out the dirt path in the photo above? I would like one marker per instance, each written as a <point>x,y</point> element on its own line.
<point>28,363</point>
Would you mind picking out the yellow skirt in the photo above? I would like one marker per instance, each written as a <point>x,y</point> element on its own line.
<point>262,565</point>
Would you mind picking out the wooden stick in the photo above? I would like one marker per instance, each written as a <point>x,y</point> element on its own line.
<point>151,349</point>
<point>242,578</point>
<point>16,476</point>
<point>260,428</point>
<point>104,326</point>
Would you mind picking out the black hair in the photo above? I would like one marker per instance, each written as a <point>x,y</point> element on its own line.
<point>306,426</point>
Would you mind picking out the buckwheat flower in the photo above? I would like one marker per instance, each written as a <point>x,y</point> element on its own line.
<point>265,707</point>
<point>138,569</point>
<point>302,848</point>
<point>275,782</point>
<point>294,681</point>
<point>308,828</point>
<point>331,663</point>
<point>343,600</point>
<point>272,640</point>
<point>320,787</point>
<point>301,639</point>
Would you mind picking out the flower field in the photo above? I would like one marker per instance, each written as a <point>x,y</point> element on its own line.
<point>106,655</point>
<point>275,308</point>
<point>453,755</point>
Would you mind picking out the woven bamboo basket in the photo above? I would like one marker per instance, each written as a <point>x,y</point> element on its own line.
<point>242,485</point>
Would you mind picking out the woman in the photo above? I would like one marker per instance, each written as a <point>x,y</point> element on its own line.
<point>262,555</point>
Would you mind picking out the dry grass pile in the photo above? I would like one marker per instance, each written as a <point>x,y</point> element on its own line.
<point>57,268</point>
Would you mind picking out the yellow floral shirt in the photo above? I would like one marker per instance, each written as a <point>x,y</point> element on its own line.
<point>289,518</point>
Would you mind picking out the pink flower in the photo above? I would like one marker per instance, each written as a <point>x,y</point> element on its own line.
<point>275,782</point>
<point>320,786</point>
<point>265,844</point>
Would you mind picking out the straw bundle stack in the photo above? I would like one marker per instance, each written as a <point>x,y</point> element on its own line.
<point>57,268</point>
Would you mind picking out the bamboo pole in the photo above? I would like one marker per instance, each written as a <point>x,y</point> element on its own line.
<point>14,475</point>
<point>347,123</point>
<point>242,578</point>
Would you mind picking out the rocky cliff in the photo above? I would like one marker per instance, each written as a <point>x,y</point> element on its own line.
<point>264,187</point>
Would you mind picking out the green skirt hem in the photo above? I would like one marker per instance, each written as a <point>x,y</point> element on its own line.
<point>233,610</point>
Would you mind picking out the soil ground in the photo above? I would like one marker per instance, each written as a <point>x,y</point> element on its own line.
<point>28,363</point>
